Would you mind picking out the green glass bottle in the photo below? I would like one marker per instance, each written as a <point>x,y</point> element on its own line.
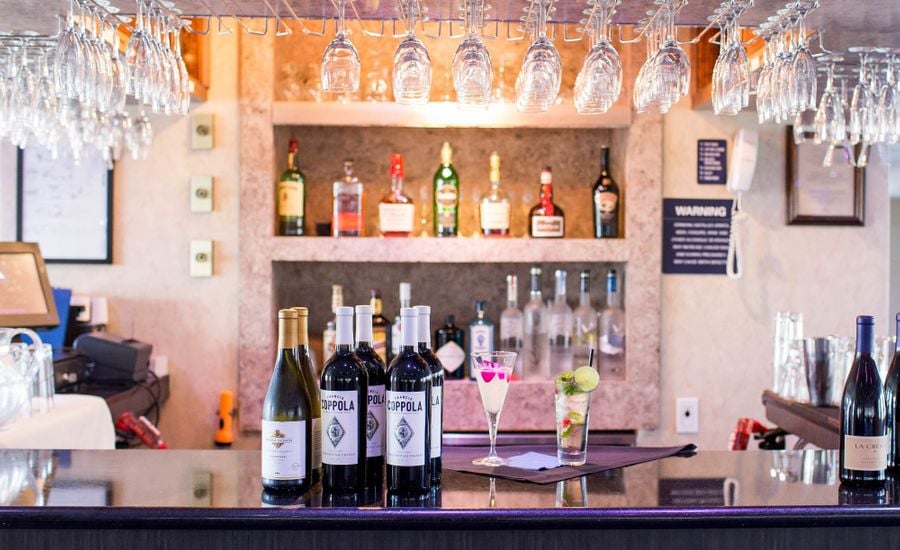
<point>446,196</point>
<point>291,196</point>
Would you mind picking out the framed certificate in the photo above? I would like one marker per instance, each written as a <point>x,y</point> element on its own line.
<point>820,195</point>
<point>65,207</point>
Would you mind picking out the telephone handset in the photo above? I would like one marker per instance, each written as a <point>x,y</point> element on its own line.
<point>740,178</point>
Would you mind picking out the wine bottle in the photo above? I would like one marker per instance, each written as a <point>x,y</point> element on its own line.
<point>606,201</point>
<point>291,196</point>
<point>337,300</point>
<point>562,323</point>
<point>405,301</point>
<point>891,394</point>
<point>446,196</point>
<point>546,218</point>
<point>375,416</point>
<point>864,436</point>
<point>345,392</point>
<point>450,343</point>
<point>408,416</point>
<point>381,328</point>
<point>302,356</point>
<point>437,390</point>
<point>481,334</point>
<point>286,412</point>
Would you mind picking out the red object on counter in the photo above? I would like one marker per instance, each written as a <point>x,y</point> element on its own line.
<point>142,428</point>
<point>740,437</point>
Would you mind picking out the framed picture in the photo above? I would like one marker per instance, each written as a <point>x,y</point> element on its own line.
<point>819,195</point>
<point>65,207</point>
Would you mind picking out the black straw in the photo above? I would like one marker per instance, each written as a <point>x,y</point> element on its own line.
<point>591,358</point>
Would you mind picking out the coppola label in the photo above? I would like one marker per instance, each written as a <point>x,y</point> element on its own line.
<point>340,426</point>
<point>437,397</point>
<point>548,226</point>
<point>375,420</point>
<point>866,454</point>
<point>284,449</point>
<point>407,413</point>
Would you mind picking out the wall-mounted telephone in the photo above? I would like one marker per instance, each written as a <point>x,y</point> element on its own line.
<point>740,178</point>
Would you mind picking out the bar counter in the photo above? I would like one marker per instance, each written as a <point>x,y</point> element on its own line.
<point>213,499</point>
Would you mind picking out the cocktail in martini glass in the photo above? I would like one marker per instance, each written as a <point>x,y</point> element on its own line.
<point>493,371</point>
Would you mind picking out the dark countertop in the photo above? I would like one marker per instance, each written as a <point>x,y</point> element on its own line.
<point>139,489</point>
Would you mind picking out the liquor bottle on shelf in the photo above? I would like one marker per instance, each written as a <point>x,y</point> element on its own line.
<point>286,414</point>
<point>345,392</point>
<point>535,344</point>
<point>337,300</point>
<point>561,328</point>
<point>546,219</point>
<point>606,201</point>
<point>291,196</point>
<point>446,196</point>
<point>405,301</point>
<point>396,211</point>
<point>494,210</point>
<point>437,390</point>
<point>450,343</point>
<point>585,335</point>
<point>375,417</point>
<point>512,323</point>
<point>611,332</point>
<point>408,416</point>
<point>304,361</point>
<point>864,429</point>
<point>381,328</point>
<point>892,402</point>
<point>481,334</point>
<point>347,216</point>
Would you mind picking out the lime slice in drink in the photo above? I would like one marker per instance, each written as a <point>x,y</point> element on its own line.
<point>586,378</point>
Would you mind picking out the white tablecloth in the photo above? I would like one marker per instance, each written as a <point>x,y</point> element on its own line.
<point>75,422</point>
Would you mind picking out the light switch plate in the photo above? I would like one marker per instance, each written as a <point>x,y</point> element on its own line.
<point>687,415</point>
<point>202,131</point>
<point>201,194</point>
<point>201,258</point>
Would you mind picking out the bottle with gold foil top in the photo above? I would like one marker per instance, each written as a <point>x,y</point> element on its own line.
<point>286,417</point>
<point>304,361</point>
<point>291,196</point>
<point>446,196</point>
<point>328,335</point>
<point>494,210</point>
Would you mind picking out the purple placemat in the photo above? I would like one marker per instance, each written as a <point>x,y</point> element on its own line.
<point>600,459</point>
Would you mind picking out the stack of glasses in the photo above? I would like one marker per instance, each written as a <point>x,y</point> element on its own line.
<point>537,85</point>
<point>599,83</point>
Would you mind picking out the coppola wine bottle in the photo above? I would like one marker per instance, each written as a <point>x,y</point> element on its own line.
<point>864,435</point>
<point>345,390</point>
<point>891,391</point>
<point>377,377</point>
<point>408,415</point>
<point>286,435</point>
<point>302,356</point>
<point>437,390</point>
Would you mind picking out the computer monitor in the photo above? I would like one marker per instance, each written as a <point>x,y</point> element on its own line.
<point>26,297</point>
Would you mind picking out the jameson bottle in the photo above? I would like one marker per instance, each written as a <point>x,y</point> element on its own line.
<point>606,201</point>
<point>375,416</point>
<point>302,356</point>
<point>291,196</point>
<point>437,390</point>
<point>408,416</point>
<point>446,196</point>
<point>450,343</point>
<point>891,393</point>
<point>286,413</point>
<point>345,393</point>
<point>864,428</point>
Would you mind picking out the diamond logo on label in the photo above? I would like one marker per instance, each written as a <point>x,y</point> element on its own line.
<point>452,356</point>
<point>371,426</point>
<point>335,432</point>
<point>403,433</point>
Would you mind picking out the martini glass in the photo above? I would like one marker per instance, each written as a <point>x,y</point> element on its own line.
<point>493,371</point>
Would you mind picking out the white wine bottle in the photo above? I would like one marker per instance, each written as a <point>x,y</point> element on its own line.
<point>304,361</point>
<point>286,431</point>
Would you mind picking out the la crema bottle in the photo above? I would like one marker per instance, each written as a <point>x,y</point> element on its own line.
<point>891,394</point>
<point>408,415</point>
<point>375,417</point>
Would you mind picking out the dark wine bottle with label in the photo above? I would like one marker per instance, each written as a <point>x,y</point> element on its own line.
<point>450,348</point>
<point>864,429</point>
<point>286,432</point>
<point>381,328</point>
<point>304,361</point>
<point>892,403</point>
<point>345,392</point>
<point>408,415</point>
<point>437,390</point>
<point>375,417</point>
<point>606,201</point>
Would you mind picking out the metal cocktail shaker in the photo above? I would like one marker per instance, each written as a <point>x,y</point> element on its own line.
<point>817,360</point>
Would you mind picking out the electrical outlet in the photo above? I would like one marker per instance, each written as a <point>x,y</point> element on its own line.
<point>201,258</point>
<point>687,415</point>
<point>201,489</point>
<point>202,126</point>
<point>201,194</point>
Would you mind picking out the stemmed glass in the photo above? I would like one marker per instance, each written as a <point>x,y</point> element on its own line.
<point>412,65</point>
<point>665,76</point>
<point>139,57</point>
<point>861,107</point>
<point>599,84</point>
<point>69,59</point>
<point>340,62</point>
<point>493,372</point>
<point>537,85</point>
<point>472,70</point>
<point>803,66</point>
<point>731,74</point>
<point>888,109</point>
<point>831,125</point>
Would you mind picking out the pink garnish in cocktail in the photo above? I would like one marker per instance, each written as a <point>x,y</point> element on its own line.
<point>489,369</point>
<point>487,375</point>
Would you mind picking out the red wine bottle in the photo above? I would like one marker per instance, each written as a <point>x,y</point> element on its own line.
<point>375,417</point>
<point>891,392</point>
<point>437,390</point>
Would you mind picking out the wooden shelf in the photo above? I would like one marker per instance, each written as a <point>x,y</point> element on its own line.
<point>440,115</point>
<point>444,250</point>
